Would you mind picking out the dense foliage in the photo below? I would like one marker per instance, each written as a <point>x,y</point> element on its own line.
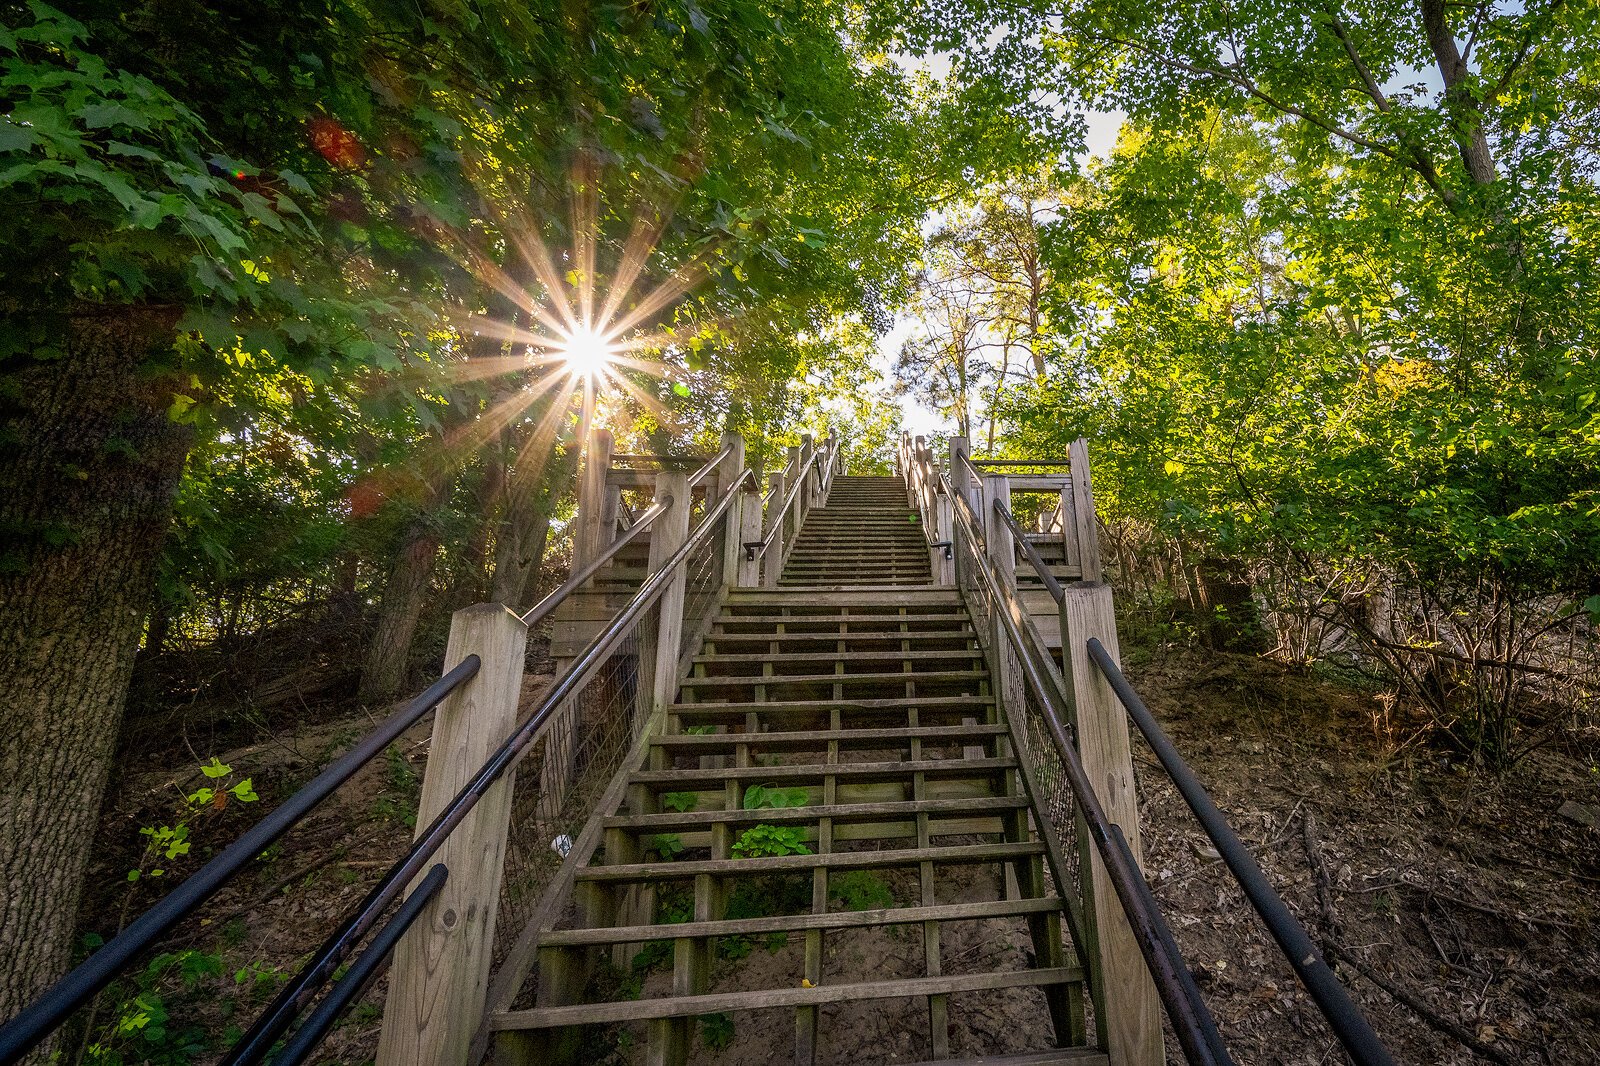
<point>1326,314</point>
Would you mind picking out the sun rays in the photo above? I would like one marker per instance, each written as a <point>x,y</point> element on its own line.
<point>575,341</point>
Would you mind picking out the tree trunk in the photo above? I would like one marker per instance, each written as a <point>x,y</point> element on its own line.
<point>1466,118</point>
<point>404,596</point>
<point>533,489</point>
<point>89,465</point>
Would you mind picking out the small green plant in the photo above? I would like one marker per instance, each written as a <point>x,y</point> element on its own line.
<point>700,730</point>
<point>680,801</point>
<point>716,1030</point>
<point>760,841</point>
<point>166,843</point>
<point>258,981</point>
<point>402,789</point>
<point>403,777</point>
<point>144,1030</point>
<point>758,797</point>
<point>668,845</point>
<point>674,905</point>
<point>762,897</point>
<point>859,890</point>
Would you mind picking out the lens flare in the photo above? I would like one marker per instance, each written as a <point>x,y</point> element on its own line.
<point>587,352</point>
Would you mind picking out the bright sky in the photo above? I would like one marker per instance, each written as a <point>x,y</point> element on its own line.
<point>1103,127</point>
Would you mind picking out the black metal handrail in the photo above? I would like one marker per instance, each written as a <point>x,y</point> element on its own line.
<point>46,1013</point>
<point>542,609</point>
<point>361,973</point>
<point>1343,1016</point>
<point>1031,553</point>
<point>297,993</point>
<point>1191,1019</point>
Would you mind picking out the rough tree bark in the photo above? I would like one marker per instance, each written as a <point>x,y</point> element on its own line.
<point>89,466</point>
<point>404,595</point>
<point>1466,116</point>
<point>534,482</point>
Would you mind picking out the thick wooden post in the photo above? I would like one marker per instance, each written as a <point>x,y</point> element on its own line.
<point>808,495</point>
<point>960,479</point>
<point>749,571</point>
<point>440,973</point>
<point>1088,534</point>
<point>734,522</point>
<point>593,534</point>
<point>772,559</point>
<point>944,572</point>
<point>1126,1005</point>
<point>666,537</point>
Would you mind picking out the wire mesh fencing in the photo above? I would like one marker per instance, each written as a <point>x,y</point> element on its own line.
<point>705,576</point>
<point>1027,714</point>
<point>560,780</point>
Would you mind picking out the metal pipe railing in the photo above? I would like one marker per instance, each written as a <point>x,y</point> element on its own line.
<point>255,1044</point>
<point>1347,1022</point>
<point>1343,1016</point>
<point>1186,1009</point>
<point>45,1014</point>
<point>1031,553</point>
<point>361,973</point>
<point>542,609</point>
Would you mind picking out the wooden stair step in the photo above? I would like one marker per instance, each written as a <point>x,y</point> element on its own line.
<point>967,854</point>
<point>851,637</point>
<point>869,739</point>
<point>720,1002</point>
<point>922,618</point>
<point>902,810</point>
<point>844,771</point>
<point>871,703</point>
<point>1067,1056</point>
<point>859,655</point>
<point>789,923</point>
<point>817,679</point>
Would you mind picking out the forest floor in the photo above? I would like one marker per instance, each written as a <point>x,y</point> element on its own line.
<point>1466,893</point>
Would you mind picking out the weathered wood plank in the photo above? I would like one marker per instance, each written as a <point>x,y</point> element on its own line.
<point>853,860</point>
<point>439,978</point>
<point>687,1006</point>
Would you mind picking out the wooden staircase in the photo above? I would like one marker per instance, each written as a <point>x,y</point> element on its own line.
<point>866,534</point>
<point>825,844</point>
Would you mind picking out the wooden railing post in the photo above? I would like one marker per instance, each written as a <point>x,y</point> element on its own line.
<point>960,479</point>
<point>772,558</point>
<point>1126,1006</point>
<point>749,565</point>
<point>1088,533</point>
<point>944,572</point>
<point>440,973</point>
<point>808,449</point>
<point>666,537</point>
<point>594,533</point>
<point>731,466</point>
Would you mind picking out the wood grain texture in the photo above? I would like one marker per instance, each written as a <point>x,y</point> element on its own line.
<point>1131,1012</point>
<point>439,979</point>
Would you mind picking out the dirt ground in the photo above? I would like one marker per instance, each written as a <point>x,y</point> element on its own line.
<point>1465,893</point>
